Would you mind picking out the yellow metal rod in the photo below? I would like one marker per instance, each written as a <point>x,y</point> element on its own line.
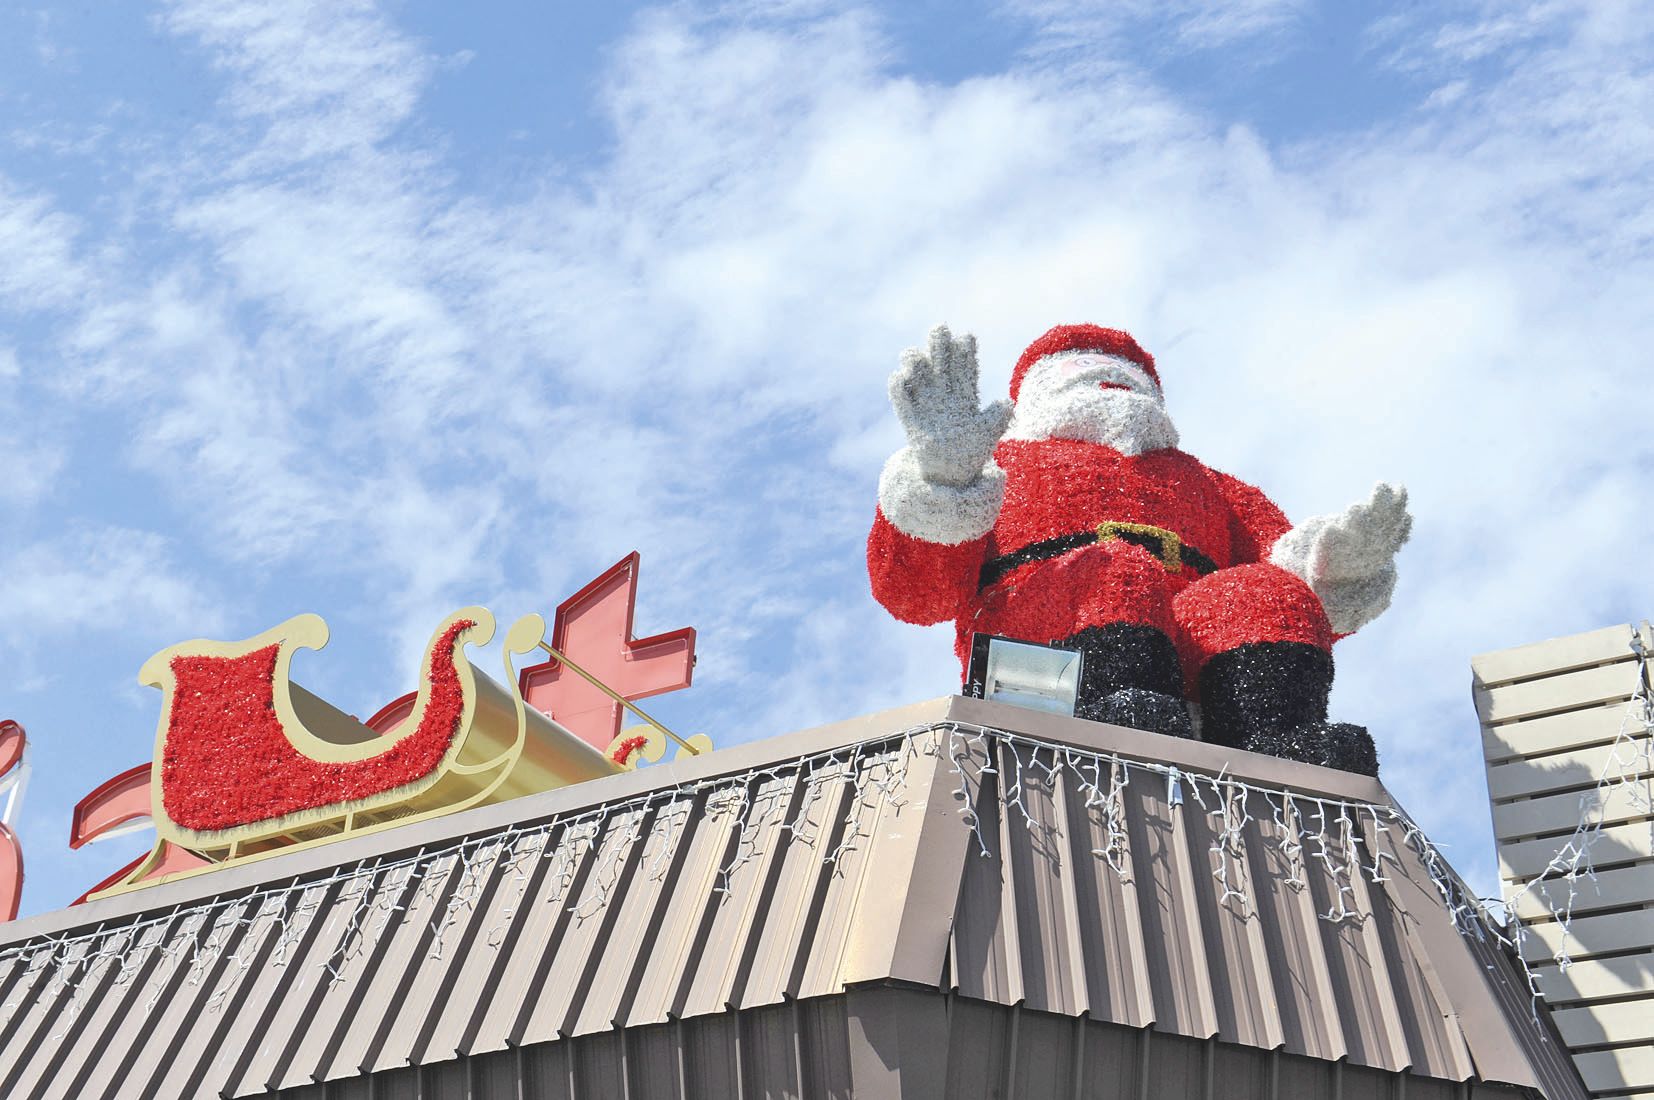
<point>617,697</point>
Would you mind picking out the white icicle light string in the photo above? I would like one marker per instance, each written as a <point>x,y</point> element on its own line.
<point>501,866</point>
<point>1629,770</point>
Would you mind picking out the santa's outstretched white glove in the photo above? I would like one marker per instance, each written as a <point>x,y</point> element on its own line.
<point>1349,558</point>
<point>943,486</point>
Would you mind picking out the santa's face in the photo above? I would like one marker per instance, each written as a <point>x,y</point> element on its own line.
<point>1095,398</point>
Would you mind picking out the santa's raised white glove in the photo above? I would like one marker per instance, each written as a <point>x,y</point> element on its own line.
<point>1348,558</point>
<point>943,487</point>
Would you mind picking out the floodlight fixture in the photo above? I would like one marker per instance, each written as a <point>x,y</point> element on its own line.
<point>1024,674</point>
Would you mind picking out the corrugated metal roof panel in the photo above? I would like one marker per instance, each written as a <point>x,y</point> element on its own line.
<point>612,971</point>
<point>414,898</point>
<point>485,1003</point>
<point>310,973</point>
<point>705,837</point>
<point>581,937</point>
<point>50,1014</point>
<point>360,953</point>
<point>781,940</point>
<point>1062,871</point>
<point>1311,1023</point>
<point>70,1064</point>
<point>1045,891</point>
<point>860,847</point>
<point>1106,903</point>
<point>985,962</point>
<point>1179,971</point>
<point>485,911</point>
<point>546,909</point>
<point>1243,981</point>
<point>269,1011</point>
<point>454,924</point>
<point>188,1016</point>
<point>740,895</point>
<point>1359,968</point>
<point>1430,1036</point>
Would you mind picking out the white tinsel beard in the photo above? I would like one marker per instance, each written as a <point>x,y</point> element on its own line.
<point>1062,398</point>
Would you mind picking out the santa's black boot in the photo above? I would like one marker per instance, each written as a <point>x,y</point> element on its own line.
<point>1271,697</point>
<point>1131,677</point>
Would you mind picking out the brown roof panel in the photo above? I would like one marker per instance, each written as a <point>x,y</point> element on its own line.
<point>1242,977</point>
<point>1429,1034</point>
<point>774,963</point>
<point>1359,967</point>
<point>1052,952</point>
<point>31,990</point>
<point>485,1004</point>
<point>870,844</point>
<point>458,923</point>
<point>590,906</point>
<point>705,837</point>
<point>413,899</point>
<point>593,998</point>
<point>741,895</point>
<point>65,1069</point>
<point>1301,982</point>
<point>272,995</point>
<point>986,963</point>
<point>348,971</point>
<point>1179,971</point>
<point>312,975</point>
<point>1105,901</point>
<point>1247,1001</point>
<point>56,1003</point>
<point>187,1015</point>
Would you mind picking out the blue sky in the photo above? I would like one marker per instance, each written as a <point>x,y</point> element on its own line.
<point>381,310</point>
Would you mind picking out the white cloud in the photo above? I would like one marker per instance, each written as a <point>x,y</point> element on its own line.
<point>349,262</point>
<point>94,582</point>
<point>1553,130</point>
<point>324,78</point>
<point>30,454</point>
<point>1104,27</point>
<point>38,268</point>
<point>31,465</point>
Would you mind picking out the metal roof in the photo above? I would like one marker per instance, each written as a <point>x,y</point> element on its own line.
<point>998,856</point>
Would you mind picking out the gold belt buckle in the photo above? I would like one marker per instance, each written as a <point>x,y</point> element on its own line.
<point>1171,544</point>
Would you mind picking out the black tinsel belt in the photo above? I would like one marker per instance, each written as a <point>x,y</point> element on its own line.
<point>1172,551</point>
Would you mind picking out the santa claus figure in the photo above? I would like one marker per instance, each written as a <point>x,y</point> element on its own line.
<point>1070,516</point>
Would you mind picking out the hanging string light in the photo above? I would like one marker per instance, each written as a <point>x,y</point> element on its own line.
<point>1627,774</point>
<point>787,802</point>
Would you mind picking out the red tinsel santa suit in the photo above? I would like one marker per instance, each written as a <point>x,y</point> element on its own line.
<point>1061,486</point>
<point>1089,528</point>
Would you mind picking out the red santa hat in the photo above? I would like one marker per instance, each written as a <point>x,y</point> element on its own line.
<point>1108,341</point>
